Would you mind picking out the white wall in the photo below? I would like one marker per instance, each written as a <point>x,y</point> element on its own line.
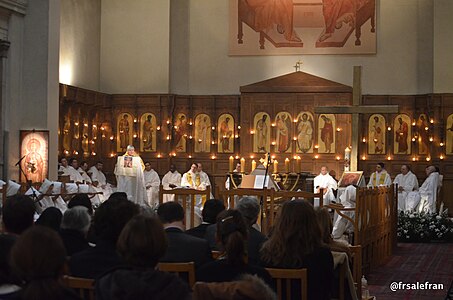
<point>80,46</point>
<point>135,46</point>
<point>443,49</point>
<point>402,65</point>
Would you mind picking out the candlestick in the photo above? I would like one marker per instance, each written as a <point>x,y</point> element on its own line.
<point>242,165</point>
<point>275,166</point>
<point>253,165</point>
<point>231,164</point>
<point>287,165</point>
<point>347,158</point>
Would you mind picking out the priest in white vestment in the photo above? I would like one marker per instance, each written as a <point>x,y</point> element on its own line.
<point>380,177</point>
<point>74,175</point>
<point>192,179</point>
<point>152,182</point>
<point>170,181</point>
<point>426,195</point>
<point>326,182</point>
<point>407,182</point>
<point>99,182</point>
<point>129,176</point>
<point>342,224</point>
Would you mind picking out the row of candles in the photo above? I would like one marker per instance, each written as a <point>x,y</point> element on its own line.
<point>274,163</point>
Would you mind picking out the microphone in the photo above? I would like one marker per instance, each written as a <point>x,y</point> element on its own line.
<point>20,160</point>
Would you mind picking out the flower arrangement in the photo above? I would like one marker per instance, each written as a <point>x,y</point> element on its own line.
<point>424,227</point>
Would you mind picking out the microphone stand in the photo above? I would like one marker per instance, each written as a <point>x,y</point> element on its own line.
<point>29,185</point>
<point>266,174</point>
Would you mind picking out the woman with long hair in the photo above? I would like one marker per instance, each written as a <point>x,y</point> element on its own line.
<point>296,243</point>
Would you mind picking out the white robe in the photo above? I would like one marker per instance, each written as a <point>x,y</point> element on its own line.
<point>342,224</point>
<point>84,174</point>
<point>102,186</point>
<point>426,196</point>
<point>185,182</point>
<point>152,182</point>
<point>133,186</point>
<point>409,183</point>
<point>387,180</point>
<point>171,178</point>
<point>325,182</point>
<point>74,175</point>
<point>63,171</point>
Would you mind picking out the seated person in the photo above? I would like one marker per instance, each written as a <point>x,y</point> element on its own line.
<point>141,244</point>
<point>211,209</point>
<point>50,217</point>
<point>232,235</point>
<point>327,183</point>
<point>407,182</point>
<point>426,195</point>
<point>298,228</point>
<point>9,284</point>
<point>182,247</point>
<point>109,220</point>
<point>17,214</point>
<point>325,221</point>
<point>380,177</point>
<point>74,228</point>
<point>342,224</point>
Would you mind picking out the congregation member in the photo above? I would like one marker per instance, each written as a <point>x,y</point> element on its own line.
<point>407,182</point>
<point>250,210</point>
<point>425,198</point>
<point>83,169</point>
<point>298,228</point>
<point>141,244</point>
<point>342,225</point>
<point>327,183</point>
<point>325,222</point>
<point>211,210</point>
<point>232,234</point>
<point>109,220</point>
<point>182,247</point>
<point>171,180</point>
<point>74,229</point>
<point>152,182</point>
<point>38,258</point>
<point>99,182</point>
<point>51,217</point>
<point>380,177</point>
<point>9,283</point>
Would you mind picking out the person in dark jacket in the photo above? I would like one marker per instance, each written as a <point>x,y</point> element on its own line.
<point>211,209</point>
<point>141,244</point>
<point>50,217</point>
<point>74,228</point>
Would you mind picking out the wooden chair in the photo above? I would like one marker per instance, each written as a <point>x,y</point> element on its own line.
<point>285,277</point>
<point>187,268</point>
<point>216,254</point>
<point>83,286</point>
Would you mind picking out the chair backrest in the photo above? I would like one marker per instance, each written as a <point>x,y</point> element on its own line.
<point>216,254</point>
<point>187,268</point>
<point>83,286</point>
<point>285,277</point>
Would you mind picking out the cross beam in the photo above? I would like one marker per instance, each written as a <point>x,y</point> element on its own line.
<point>355,110</point>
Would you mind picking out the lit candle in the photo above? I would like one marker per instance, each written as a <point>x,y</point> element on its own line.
<point>242,165</point>
<point>275,166</point>
<point>347,158</point>
<point>231,164</point>
<point>287,165</point>
<point>253,165</point>
<point>299,164</point>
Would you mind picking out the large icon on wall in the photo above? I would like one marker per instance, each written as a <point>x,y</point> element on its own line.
<point>180,133</point>
<point>34,149</point>
<point>202,133</point>
<point>326,133</point>
<point>305,130</point>
<point>262,133</point>
<point>225,134</point>
<point>449,136</point>
<point>283,132</point>
<point>148,132</point>
<point>124,131</point>
<point>376,134</point>
<point>402,134</point>
<point>423,134</point>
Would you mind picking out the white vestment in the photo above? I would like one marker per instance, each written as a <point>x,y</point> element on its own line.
<point>342,224</point>
<point>152,182</point>
<point>63,171</point>
<point>131,180</point>
<point>102,185</point>
<point>325,182</point>
<point>426,195</point>
<point>84,174</point>
<point>171,178</point>
<point>48,201</point>
<point>409,183</point>
<point>195,181</point>
<point>74,175</point>
<point>375,179</point>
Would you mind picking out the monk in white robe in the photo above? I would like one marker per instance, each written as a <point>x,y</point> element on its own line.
<point>133,184</point>
<point>74,175</point>
<point>327,183</point>
<point>407,182</point>
<point>99,182</point>
<point>152,182</point>
<point>83,171</point>
<point>380,177</point>
<point>342,224</point>
<point>426,196</point>
<point>171,180</point>
<point>63,168</point>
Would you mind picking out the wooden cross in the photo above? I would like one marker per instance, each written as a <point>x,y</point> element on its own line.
<point>298,64</point>
<point>355,110</point>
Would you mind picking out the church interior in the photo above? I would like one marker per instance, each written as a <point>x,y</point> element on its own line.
<point>90,77</point>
